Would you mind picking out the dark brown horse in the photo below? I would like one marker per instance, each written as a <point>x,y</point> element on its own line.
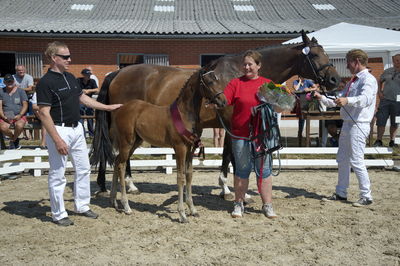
<point>137,121</point>
<point>161,85</point>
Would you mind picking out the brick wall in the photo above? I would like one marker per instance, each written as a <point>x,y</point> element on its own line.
<point>102,54</point>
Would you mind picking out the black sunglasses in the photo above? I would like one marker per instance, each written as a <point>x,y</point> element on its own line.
<point>65,57</point>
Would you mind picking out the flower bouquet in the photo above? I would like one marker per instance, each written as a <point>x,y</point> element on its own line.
<point>313,104</point>
<point>277,95</point>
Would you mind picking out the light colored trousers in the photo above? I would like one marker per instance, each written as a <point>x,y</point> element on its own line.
<point>351,155</point>
<point>77,150</point>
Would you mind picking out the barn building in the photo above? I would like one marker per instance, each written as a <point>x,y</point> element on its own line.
<point>107,34</point>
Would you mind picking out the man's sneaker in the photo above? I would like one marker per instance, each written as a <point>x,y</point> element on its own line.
<point>334,197</point>
<point>268,211</point>
<point>64,222</point>
<point>362,202</point>
<point>90,214</point>
<point>16,144</point>
<point>392,144</point>
<point>238,210</point>
<point>378,143</point>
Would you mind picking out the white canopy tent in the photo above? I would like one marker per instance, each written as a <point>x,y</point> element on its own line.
<point>338,39</point>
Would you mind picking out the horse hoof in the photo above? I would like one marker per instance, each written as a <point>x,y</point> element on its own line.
<point>102,194</point>
<point>229,197</point>
<point>128,212</point>
<point>183,220</point>
<point>133,191</point>
<point>248,201</point>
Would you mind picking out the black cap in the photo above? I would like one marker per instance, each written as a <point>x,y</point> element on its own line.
<point>86,72</point>
<point>8,78</point>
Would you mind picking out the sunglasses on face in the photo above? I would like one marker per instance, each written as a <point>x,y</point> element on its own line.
<point>65,57</point>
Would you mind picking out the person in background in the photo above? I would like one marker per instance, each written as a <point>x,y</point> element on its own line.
<point>302,86</point>
<point>89,87</point>
<point>13,106</point>
<point>58,98</point>
<point>333,125</point>
<point>25,82</point>
<point>93,76</point>
<point>219,135</point>
<point>35,109</point>
<point>242,94</point>
<point>389,107</point>
<point>357,110</point>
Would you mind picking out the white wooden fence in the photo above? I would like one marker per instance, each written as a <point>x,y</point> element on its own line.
<point>16,161</point>
<point>397,140</point>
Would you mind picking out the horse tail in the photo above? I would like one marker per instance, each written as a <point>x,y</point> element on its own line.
<point>101,151</point>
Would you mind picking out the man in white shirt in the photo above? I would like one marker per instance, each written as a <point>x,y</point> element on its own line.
<point>357,110</point>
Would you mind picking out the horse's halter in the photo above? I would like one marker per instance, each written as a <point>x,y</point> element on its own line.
<point>316,71</point>
<point>213,98</point>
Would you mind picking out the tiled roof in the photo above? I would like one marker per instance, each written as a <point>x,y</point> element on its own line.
<point>192,17</point>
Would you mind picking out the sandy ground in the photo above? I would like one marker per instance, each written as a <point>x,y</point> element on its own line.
<point>307,231</point>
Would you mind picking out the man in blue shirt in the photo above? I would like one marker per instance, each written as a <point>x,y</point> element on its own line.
<point>302,86</point>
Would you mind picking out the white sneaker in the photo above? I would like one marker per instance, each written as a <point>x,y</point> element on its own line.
<point>238,210</point>
<point>268,211</point>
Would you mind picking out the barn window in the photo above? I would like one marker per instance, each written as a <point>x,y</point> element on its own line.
<point>33,63</point>
<point>156,59</point>
<point>126,59</point>
<point>341,66</point>
<point>207,58</point>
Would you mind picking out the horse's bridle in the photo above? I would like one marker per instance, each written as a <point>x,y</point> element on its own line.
<point>316,71</point>
<point>213,98</point>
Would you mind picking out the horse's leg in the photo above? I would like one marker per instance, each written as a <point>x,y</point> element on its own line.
<point>180,154</point>
<point>189,175</point>
<point>132,189</point>
<point>121,171</point>
<point>101,181</point>
<point>113,193</point>
<point>227,157</point>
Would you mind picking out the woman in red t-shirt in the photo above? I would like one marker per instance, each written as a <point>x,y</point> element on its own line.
<point>242,94</point>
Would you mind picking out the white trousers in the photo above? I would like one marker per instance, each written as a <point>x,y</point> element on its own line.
<point>77,150</point>
<point>351,155</point>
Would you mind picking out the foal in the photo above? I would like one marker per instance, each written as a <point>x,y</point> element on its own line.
<point>138,121</point>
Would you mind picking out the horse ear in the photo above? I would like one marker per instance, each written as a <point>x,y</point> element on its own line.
<point>314,40</point>
<point>306,40</point>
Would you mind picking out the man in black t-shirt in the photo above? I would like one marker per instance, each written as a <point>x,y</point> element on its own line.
<point>58,98</point>
<point>89,87</point>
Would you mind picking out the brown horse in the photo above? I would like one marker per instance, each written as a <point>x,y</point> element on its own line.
<point>160,85</point>
<point>137,121</point>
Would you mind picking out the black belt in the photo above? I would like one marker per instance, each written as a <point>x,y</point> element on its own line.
<point>71,124</point>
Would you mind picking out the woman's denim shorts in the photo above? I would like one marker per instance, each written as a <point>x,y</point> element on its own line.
<point>245,162</point>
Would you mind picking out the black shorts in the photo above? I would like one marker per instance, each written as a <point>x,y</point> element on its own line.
<point>387,109</point>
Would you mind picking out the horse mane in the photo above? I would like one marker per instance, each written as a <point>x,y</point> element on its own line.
<point>187,83</point>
